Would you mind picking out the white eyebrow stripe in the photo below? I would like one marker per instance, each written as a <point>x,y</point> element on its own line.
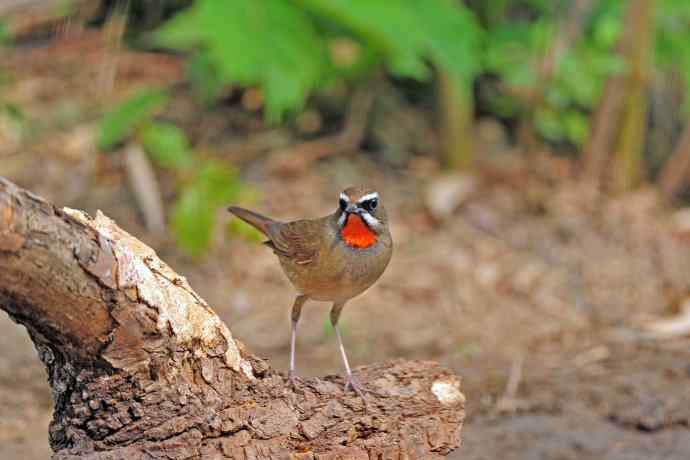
<point>344,197</point>
<point>368,196</point>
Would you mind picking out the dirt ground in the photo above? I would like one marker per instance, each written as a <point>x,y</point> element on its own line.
<point>542,296</point>
<point>561,297</point>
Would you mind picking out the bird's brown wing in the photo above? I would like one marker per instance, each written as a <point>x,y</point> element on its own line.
<point>299,240</point>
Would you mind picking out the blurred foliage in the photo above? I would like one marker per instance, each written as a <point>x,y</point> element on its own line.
<point>673,40</point>
<point>167,145</point>
<point>205,185</point>
<point>5,33</point>
<point>515,51</point>
<point>290,48</point>
<point>13,115</point>
<point>213,186</point>
<point>521,33</point>
<point>533,64</point>
<point>118,124</point>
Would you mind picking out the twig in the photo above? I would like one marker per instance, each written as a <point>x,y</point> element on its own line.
<point>509,402</point>
<point>677,326</point>
<point>114,30</point>
<point>142,179</point>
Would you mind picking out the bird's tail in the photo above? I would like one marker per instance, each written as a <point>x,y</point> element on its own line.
<point>257,221</point>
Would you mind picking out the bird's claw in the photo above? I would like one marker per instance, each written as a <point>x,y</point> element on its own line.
<point>354,385</point>
<point>292,381</point>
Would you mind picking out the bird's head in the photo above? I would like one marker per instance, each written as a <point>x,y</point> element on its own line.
<point>361,216</point>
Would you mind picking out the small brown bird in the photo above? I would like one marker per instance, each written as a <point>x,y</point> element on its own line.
<point>334,258</point>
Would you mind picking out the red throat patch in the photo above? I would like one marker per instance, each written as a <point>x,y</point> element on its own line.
<point>356,233</point>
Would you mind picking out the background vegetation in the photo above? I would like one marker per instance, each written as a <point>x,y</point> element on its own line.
<point>604,82</point>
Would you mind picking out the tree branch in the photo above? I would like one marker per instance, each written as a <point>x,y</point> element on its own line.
<point>141,367</point>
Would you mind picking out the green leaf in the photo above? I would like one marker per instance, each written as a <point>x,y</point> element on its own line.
<point>549,124</point>
<point>577,127</point>
<point>270,43</point>
<point>193,215</point>
<point>219,182</point>
<point>408,33</point>
<point>453,37</point>
<point>203,73</point>
<point>282,45</point>
<point>167,145</point>
<point>192,220</point>
<point>5,33</point>
<point>118,124</point>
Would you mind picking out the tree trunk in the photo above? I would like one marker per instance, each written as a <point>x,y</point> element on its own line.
<point>605,127</point>
<point>628,170</point>
<point>674,174</point>
<point>456,119</point>
<point>618,128</point>
<point>142,368</point>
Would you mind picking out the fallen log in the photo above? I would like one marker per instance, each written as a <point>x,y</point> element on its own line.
<point>142,368</point>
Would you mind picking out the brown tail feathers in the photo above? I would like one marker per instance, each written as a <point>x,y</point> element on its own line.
<point>258,221</point>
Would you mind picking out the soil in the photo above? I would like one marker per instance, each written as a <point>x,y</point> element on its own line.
<point>538,293</point>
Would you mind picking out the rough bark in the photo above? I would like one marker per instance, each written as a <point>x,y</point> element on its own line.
<point>142,368</point>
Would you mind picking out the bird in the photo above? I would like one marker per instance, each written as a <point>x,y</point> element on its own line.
<point>333,258</point>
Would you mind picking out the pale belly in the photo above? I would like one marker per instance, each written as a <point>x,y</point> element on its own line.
<point>340,276</point>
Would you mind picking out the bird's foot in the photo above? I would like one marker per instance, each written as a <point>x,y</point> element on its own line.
<point>354,385</point>
<point>292,380</point>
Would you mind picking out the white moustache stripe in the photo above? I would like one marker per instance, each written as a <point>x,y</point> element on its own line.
<point>341,219</point>
<point>371,221</point>
<point>368,196</point>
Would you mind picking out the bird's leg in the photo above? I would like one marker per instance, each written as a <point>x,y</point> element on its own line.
<point>296,312</point>
<point>351,384</point>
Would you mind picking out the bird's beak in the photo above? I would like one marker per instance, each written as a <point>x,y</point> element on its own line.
<point>352,209</point>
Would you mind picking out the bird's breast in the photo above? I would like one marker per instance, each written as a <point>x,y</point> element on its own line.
<point>340,272</point>
<point>357,234</point>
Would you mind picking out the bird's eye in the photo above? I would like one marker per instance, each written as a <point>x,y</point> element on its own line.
<point>371,205</point>
<point>343,204</point>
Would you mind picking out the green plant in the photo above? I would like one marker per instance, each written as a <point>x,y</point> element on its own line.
<point>289,48</point>
<point>120,123</point>
<point>167,145</point>
<point>559,103</point>
<point>205,185</point>
<point>5,33</point>
<point>673,40</point>
<point>213,186</point>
